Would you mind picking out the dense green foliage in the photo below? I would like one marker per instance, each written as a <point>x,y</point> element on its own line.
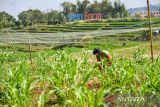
<point>117,10</point>
<point>35,16</point>
<point>6,20</point>
<point>61,79</point>
<point>32,17</point>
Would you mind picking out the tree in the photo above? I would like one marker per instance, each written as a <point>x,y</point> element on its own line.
<point>6,20</point>
<point>79,7</point>
<point>119,10</point>
<point>85,5</point>
<point>116,9</point>
<point>55,17</point>
<point>106,8</point>
<point>73,8</point>
<point>31,17</point>
<point>122,10</point>
<point>36,16</point>
<point>62,18</point>
<point>95,7</point>
<point>23,18</point>
<point>68,7</point>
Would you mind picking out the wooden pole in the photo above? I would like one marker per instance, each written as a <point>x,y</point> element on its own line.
<point>30,53</point>
<point>150,29</point>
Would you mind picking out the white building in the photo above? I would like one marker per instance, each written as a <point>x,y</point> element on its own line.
<point>144,14</point>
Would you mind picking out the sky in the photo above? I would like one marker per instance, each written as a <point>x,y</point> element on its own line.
<point>14,7</point>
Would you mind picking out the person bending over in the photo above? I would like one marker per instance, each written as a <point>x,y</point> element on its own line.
<point>103,57</point>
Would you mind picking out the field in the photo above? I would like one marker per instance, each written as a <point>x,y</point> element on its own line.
<point>81,26</point>
<point>64,79</point>
<point>54,74</point>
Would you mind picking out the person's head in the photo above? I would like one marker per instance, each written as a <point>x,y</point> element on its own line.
<point>96,51</point>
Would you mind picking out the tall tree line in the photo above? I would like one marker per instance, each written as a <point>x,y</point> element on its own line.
<point>35,16</point>
<point>32,17</point>
<point>112,10</point>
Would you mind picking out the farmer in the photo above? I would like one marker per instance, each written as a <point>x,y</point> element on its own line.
<point>155,33</point>
<point>103,57</point>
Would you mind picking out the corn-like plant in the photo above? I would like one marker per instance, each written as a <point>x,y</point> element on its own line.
<point>63,80</point>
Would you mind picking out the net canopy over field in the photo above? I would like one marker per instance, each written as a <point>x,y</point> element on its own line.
<point>59,37</point>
